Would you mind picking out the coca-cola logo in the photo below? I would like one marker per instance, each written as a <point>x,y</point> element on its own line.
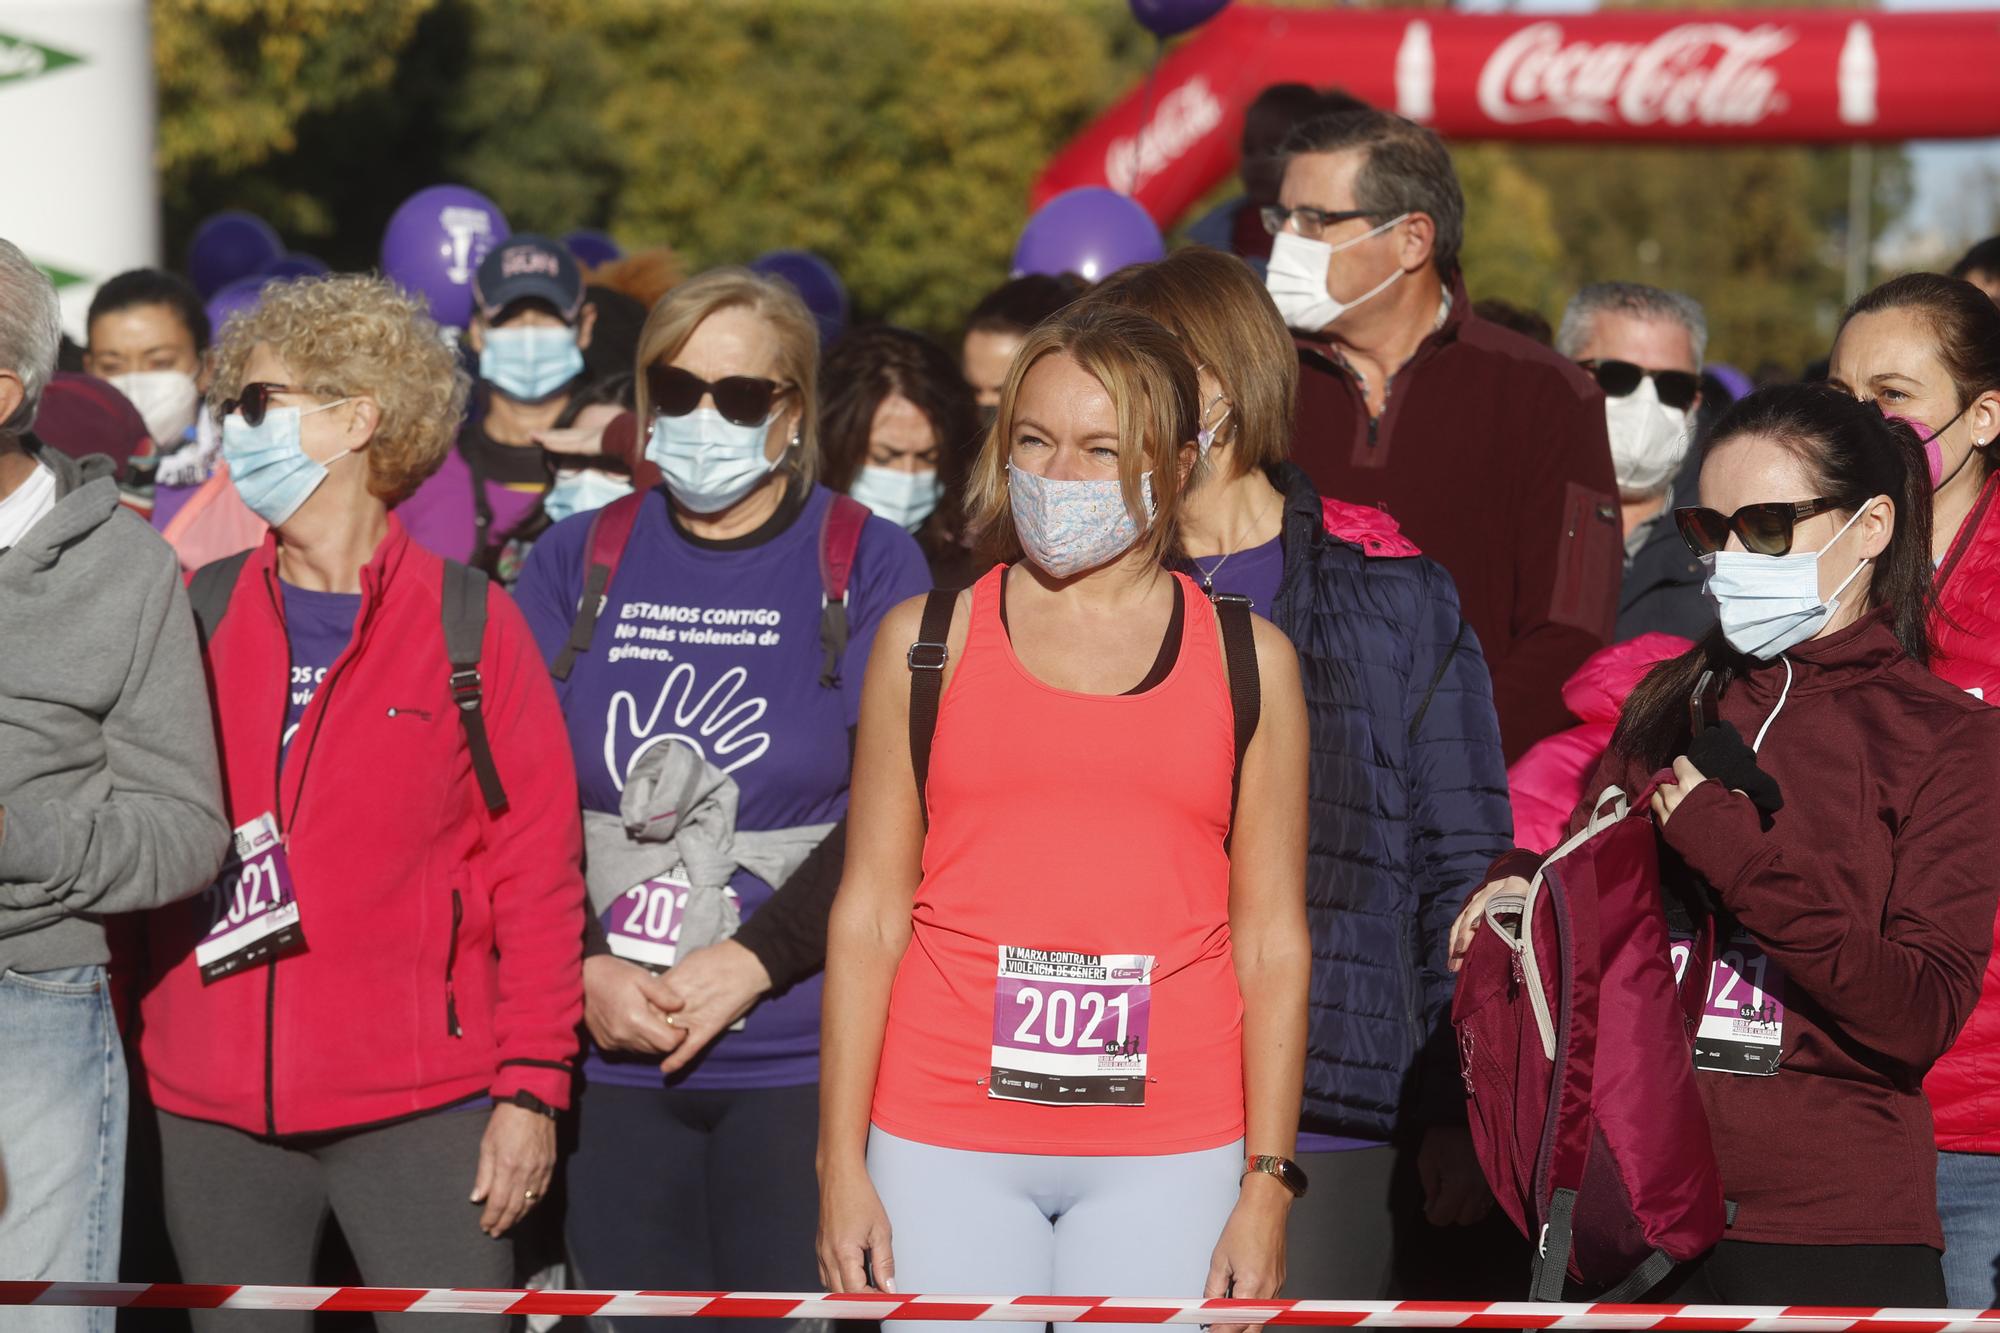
<point>1182,118</point>
<point>1695,73</point>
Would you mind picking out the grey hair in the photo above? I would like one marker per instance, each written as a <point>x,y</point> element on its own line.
<point>1638,300</point>
<point>1407,169</point>
<point>30,332</point>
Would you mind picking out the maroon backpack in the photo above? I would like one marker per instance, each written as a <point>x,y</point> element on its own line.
<point>1575,1039</point>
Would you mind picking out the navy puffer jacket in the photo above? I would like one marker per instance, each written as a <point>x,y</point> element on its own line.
<point>1408,808</point>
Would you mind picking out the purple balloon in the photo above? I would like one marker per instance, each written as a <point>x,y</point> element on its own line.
<point>591,247</point>
<point>817,283</point>
<point>228,246</point>
<point>297,264</point>
<point>1167,17</point>
<point>1089,231</point>
<point>433,245</point>
<point>233,299</point>
<point>1735,381</point>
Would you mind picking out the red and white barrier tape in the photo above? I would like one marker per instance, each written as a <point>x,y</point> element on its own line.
<point>1025,1309</point>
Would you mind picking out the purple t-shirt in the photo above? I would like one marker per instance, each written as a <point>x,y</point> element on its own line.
<point>1253,572</point>
<point>442,518</point>
<point>318,626</point>
<point>718,645</point>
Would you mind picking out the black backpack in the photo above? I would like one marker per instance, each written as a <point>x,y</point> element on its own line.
<point>464,615</point>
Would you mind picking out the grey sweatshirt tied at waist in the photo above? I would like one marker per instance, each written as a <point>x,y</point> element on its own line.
<point>679,810</point>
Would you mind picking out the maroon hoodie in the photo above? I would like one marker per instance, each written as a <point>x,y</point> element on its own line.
<point>1874,893</point>
<point>1491,453</point>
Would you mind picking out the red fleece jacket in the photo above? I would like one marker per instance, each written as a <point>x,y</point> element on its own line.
<point>444,943</point>
<point>1491,453</point>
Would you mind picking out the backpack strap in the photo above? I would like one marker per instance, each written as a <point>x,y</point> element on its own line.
<point>610,530</point>
<point>464,611</point>
<point>927,657</point>
<point>1246,699</point>
<point>211,588</point>
<point>839,538</point>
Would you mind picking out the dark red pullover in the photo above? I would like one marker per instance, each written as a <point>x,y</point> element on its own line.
<point>1491,453</point>
<point>1874,892</point>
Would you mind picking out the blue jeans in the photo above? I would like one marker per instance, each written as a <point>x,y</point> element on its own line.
<point>62,1139</point>
<point>1968,1187</point>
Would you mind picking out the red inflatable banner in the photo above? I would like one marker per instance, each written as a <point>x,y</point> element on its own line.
<point>1766,76</point>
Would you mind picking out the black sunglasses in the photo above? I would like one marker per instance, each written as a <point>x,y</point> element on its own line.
<point>742,399</point>
<point>1764,528</point>
<point>254,400</point>
<point>1677,388</point>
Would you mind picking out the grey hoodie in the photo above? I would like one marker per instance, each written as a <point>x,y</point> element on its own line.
<point>108,773</point>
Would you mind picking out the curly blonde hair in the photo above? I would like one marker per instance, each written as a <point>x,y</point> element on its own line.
<point>359,335</point>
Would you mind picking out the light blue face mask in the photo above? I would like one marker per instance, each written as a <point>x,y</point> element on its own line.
<point>709,461</point>
<point>1769,604</point>
<point>906,498</point>
<point>582,491</point>
<point>268,465</point>
<point>1067,527</point>
<point>531,363</point>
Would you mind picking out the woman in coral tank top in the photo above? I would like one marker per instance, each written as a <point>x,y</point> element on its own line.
<point>1066,986</point>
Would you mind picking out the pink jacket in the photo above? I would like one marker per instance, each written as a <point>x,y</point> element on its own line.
<point>443,952</point>
<point>1546,783</point>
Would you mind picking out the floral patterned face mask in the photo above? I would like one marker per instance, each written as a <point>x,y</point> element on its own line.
<point>1067,527</point>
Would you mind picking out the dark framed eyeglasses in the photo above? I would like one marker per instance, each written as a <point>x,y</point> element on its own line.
<point>1763,528</point>
<point>745,400</point>
<point>253,400</point>
<point>1309,222</point>
<point>1677,388</point>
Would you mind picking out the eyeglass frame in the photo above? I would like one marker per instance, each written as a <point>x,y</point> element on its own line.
<point>1593,363</point>
<point>240,402</point>
<point>779,389</point>
<point>1276,217</point>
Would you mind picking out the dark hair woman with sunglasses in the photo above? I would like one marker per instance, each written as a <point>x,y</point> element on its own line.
<point>1835,815</point>
<point>1926,349</point>
<point>710,715</point>
<point>372,1013</point>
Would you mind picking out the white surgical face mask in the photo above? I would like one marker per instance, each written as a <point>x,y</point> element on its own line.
<point>1769,604</point>
<point>167,399</point>
<point>1296,278</point>
<point>709,461</point>
<point>905,498</point>
<point>1648,439</point>
<point>582,491</point>
<point>1067,527</point>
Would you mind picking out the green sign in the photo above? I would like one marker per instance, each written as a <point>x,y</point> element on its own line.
<point>23,59</point>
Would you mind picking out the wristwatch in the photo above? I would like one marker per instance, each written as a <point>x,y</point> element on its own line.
<point>1284,1168</point>
<point>528,1101</point>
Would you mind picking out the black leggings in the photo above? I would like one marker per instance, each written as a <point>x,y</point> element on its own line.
<point>1741,1272</point>
<point>677,1190</point>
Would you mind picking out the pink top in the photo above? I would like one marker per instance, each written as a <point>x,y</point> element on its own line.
<point>1069,987</point>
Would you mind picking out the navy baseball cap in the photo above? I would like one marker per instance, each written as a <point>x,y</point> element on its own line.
<point>528,267</point>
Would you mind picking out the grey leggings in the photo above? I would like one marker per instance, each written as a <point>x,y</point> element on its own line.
<point>243,1209</point>
<point>1012,1224</point>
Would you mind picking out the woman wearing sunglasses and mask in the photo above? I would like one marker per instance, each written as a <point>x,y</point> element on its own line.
<point>712,737</point>
<point>1066,984</point>
<point>373,1012</point>
<point>1926,350</point>
<point>1852,886</point>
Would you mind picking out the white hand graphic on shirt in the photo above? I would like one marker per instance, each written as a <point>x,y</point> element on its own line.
<point>715,725</point>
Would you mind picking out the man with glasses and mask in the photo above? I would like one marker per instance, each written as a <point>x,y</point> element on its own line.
<point>1487,448</point>
<point>1644,347</point>
<point>529,329</point>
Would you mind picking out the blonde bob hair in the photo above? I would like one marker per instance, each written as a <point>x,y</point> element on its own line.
<point>355,335</point>
<point>1219,310</point>
<point>793,332</point>
<point>1153,389</point>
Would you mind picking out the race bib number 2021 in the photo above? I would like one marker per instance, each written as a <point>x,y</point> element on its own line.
<point>1070,1029</point>
<point>253,912</point>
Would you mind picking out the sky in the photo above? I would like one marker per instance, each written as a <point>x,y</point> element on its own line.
<point>1953,202</point>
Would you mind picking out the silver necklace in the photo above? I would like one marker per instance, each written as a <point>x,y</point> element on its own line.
<point>1208,575</point>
